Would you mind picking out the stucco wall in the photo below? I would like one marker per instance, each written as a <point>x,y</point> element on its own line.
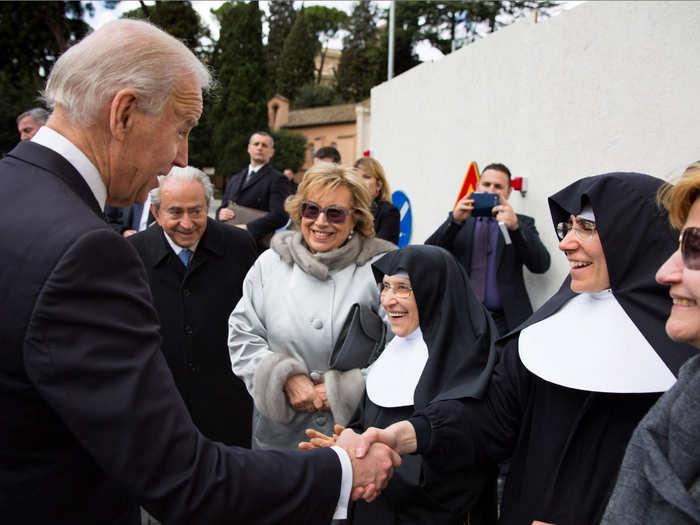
<point>605,86</point>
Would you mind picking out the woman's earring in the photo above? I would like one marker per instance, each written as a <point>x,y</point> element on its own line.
<point>350,236</point>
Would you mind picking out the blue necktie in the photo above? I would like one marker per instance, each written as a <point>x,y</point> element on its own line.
<point>185,256</point>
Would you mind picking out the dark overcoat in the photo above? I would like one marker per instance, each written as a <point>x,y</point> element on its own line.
<point>92,423</point>
<point>267,191</point>
<point>193,305</point>
<point>526,249</point>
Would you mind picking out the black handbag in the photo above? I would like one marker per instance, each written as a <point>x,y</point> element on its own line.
<point>360,341</point>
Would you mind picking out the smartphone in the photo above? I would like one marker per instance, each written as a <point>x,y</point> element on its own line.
<point>484,203</point>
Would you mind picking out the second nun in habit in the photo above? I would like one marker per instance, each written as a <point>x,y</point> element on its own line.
<point>442,349</point>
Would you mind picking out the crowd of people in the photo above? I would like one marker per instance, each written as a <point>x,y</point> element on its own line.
<point>181,365</point>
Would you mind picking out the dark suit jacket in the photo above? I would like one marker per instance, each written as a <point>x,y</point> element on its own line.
<point>266,191</point>
<point>122,219</point>
<point>525,249</point>
<point>193,306</point>
<point>387,220</point>
<point>91,419</point>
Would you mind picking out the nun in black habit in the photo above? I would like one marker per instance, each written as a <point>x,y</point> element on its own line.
<point>443,349</point>
<point>573,381</point>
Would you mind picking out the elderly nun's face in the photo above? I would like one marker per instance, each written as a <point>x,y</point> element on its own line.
<point>683,323</point>
<point>400,304</point>
<point>587,265</point>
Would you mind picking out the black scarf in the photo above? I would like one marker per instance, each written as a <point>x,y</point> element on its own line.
<point>456,328</point>
<point>636,239</point>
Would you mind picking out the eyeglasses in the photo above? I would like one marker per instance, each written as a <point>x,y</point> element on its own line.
<point>334,214</point>
<point>584,230</point>
<point>689,244</point>
<point>401,291</point>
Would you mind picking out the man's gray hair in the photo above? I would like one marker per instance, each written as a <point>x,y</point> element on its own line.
<point>124,54</point>
<point>264,134</point>
<point>188,173</point>
<point>39,116</point>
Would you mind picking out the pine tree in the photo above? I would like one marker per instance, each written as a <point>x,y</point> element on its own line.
<point>33,35</point>
<point>176,18</point>
<point>281,19</point>
<point>358,70</point>
<point>239,63</point>
<point>296,65</point>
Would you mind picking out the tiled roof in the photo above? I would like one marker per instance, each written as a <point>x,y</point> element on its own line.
<point>323,115</point>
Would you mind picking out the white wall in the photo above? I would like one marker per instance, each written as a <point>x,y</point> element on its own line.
<point>605,86</point>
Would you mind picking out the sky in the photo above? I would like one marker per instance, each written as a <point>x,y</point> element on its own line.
<point>425,51</point>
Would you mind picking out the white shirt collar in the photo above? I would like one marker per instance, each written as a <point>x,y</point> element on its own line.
<point>53,140</point>
<point>177,248</point>
<point>251,169</point>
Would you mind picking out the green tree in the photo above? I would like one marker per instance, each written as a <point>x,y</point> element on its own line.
<point>290,149</point>
<point>33,35</point>
<point>280,20</point>
<point>177,18</point>
<point>451,25</point>
<point>313,95</point>
<point>296,64</point>
<point>358,70</point>
<point>325,23</point>
<point>241,106</point>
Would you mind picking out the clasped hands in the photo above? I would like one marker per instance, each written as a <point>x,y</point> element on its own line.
<point>374,454</point>
<point>304,396</point>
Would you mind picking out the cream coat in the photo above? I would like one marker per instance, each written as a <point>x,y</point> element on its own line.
<point>287,323</point>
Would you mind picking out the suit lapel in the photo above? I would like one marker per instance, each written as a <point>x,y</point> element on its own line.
<point>259,175</point>
<point>47,159</point>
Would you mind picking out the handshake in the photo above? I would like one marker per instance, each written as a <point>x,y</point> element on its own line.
<point>374,454</point>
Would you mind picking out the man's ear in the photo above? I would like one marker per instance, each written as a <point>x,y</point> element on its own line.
<point>122,111</point>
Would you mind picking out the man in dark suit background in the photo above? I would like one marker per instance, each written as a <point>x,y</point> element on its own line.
<point>196,268</point>
<point>495,267</point>
<point>132,219</point>
<point>258,186</point>
<point>92,421</point>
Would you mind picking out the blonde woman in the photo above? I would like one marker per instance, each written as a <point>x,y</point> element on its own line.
<point>295,301</point>
<point>386,216</point>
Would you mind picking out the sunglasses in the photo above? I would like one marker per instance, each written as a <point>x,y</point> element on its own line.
<point>689,244</point>
<point>334,214</point>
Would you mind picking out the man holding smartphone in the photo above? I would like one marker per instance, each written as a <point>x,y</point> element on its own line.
<point>494,260</point>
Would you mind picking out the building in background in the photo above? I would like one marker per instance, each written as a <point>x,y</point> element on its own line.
<point>345,127</point>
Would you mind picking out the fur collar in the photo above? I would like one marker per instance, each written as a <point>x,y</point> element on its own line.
<point>290,245</point>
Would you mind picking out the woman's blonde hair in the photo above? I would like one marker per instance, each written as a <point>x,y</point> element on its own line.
<point>375,169</point>
<point>678,198</point>
<point>327,177</point>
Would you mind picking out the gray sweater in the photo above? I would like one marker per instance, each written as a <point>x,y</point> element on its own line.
<point>659,481</point>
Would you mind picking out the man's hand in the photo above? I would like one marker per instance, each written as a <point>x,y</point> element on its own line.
<point>128,233</point>
<point>226,214</point>
<point>504,213</point>
<point>371,473</point>
<point>301,394</point>
<point>463,209</point>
